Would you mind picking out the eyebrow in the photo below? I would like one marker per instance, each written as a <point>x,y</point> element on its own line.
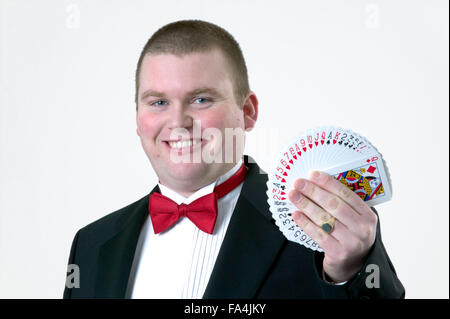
<point>201,90</point>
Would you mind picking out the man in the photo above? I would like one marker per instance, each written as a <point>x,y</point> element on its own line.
<point>191,89</point>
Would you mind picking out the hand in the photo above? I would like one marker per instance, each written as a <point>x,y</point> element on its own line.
<point>347,246</point>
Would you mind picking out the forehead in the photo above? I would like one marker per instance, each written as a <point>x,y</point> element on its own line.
<point>164,71</point>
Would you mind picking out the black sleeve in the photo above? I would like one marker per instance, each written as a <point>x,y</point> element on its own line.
<point>67,291</point>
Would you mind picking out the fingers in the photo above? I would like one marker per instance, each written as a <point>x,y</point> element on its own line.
<point>313,200</point>
<point>368,220</point>
<point>340,245</point>
<point>316,217</point>
<point>331,185</point>
<point>327,242</point>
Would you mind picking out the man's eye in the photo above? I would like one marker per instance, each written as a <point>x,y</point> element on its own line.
<point>201,100</point>
<point>159,103</point>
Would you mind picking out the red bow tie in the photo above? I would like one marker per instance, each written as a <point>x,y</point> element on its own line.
<point>164,212</point>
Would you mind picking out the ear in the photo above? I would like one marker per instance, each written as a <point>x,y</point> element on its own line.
<point>250,109</point>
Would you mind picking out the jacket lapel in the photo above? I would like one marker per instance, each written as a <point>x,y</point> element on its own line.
<point>251,243</point>
<point>116,255</point>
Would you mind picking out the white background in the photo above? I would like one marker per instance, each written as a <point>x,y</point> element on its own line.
<point>69,153</point>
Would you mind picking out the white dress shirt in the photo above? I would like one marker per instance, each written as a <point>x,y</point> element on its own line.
<point>177,263</point>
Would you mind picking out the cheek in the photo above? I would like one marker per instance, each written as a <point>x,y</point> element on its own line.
<point>221,120</point>
<point>146,125</point>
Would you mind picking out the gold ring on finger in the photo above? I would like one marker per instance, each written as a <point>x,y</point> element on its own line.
<point>328,226</point>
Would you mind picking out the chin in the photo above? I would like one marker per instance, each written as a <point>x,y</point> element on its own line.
<point>188,171</point>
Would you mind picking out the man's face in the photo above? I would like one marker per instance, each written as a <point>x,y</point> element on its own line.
<point>175,95</point>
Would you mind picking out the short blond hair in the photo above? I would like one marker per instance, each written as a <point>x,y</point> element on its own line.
<point>190,36</point>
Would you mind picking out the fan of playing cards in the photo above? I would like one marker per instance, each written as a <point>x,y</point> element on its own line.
<point>343,154</point>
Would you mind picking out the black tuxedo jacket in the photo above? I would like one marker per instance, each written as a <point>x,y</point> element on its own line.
<point>254,261</point>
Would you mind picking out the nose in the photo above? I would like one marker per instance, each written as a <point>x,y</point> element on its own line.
<point>180,118</point>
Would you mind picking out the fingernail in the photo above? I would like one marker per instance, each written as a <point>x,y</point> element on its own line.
<point>315,175</point>
<point>296,215</point>
<point>295,196</point>
<point>300,185</point>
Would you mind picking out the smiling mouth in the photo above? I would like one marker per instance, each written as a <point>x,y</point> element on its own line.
<point>184,143</point>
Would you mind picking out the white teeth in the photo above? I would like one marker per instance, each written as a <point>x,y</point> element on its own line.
<point>182,144</point>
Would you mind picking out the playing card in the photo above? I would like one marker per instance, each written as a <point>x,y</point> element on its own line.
<point>342,153</point>
<point>367,178</point>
